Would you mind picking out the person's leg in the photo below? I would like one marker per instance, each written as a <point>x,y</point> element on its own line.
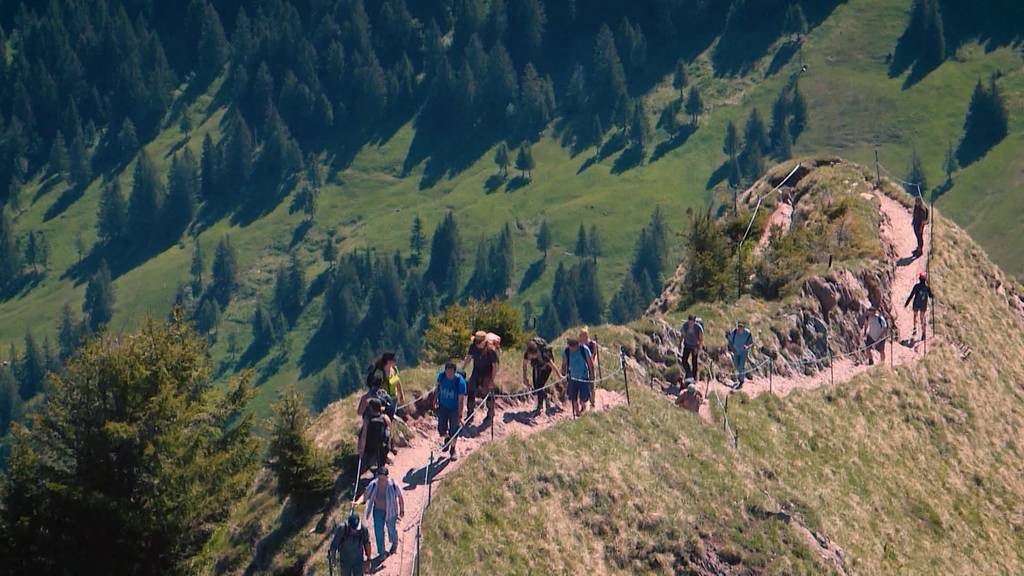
<point>540,380</point>
<point>393,534</point>
<point>693,363</point>
<point>687,355</point>
<point>574,393</point>
<point>741,367</point>
<point>584,396</point>
<point>470,398</point>
<point>489,391</point>
<point>378,528</point>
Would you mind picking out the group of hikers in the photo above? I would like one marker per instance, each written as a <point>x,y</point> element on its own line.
<point>452,397</point>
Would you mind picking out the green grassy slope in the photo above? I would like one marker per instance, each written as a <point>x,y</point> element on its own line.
<point>915,470</point>
<point>853,106</point>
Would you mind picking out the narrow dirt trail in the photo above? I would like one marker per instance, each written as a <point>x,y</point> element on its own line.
<point>409,468</point>
<point>899,242</point>
<point>781,219</point>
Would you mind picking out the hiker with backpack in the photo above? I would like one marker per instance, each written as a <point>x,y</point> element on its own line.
<point>920,296</point>
<point>450,404</point>
<point>919,221</point>
<point>692,342</point>
<point>541,361</point>
<point>740,341</point>
<point>578,365</point>
<point>349,548</point>
<point>875,333</point>
<point>375,434</point>
<point>485,373</point>
<point>595,353</point>
<point>385,504</point>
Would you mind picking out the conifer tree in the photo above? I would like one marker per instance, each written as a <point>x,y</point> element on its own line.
<point>145,201</point>
<point>950,165</point>
<point>609,78</point>
<point>640,126</point>
<point>916,177</point>
<point>477,287</point>
<point>594,245</point>
<point>98,306</point>
<point>731,144</point>
<point>798,113</point>
<point>580,251</point>
<point>325,393</point>
<point>986,123</point>
<point>127,139</point>
<point>544,238</point>
<point>501,159</point>
<point>796,21</point>
<point>207,316</point>
<point>225,271</point>
<point>443,271</point>
<point>500,87</point>
<point>213,46</point>
<point>183,185</point>
<point>10,259</point>
<point>238,154</point>
<point>112,220</point>
<point>31,369</point>
<point>81,166</point>
<point>60,161</point>
<point>69,333</point>
<point>694,105</point>
<point>503,264</point>
<point>417,241</point>
<point>197,267</point>
<point>680,79</point>
<point>10,402</point>
<point>524,161</point>
<point>210,169</point>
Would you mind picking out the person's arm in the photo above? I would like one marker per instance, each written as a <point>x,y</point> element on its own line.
<point>911,297</point>
<point>700,339</point>
<point>590,367</point>
<point>494,368</point>
<point>565,363</point>
<point>462,405</point>
<point>401,502</point>
<point>361,408</point>
<point>750,341</point>
<point>525,364</point>
<point>362,438</point>
<point>437,392</point>
<point>401,393</point>
<point>554,368</point>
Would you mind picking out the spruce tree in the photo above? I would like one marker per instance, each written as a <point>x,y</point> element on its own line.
<point>10,259</point>
<point>950,165</point>
<point>417,241</point>
<point>731,143</point>
<point>325,393</point>
<point>580,251</point>
<point>60,161</point>
<point>694,105</point>
<point>136,431</point>
<point>502,264</point>
<point>238,153</point>
<point>207,316</point>
<point>98,306</point>
<point>68,333</point>
<point>501,159</point>
<point>680,79</point>
<point>127,140</point>
<point>640,127</point>
<point>213,46</point>
<point>544,238</point>
<point>145,201</point>
<point>183,185</point>
<point>31,369</point>
<point>754,134</point>
<point>196,267</point>
<point>112,220</point>
<point>81,165</point>
<point>609,78</point>
<point>986,123</point>
<point>477,287</point>
<point>589,299</point>
<point>211,170</point>
<point>10,402</point>
<point>443,271</point>
<point>524,161</point>
<point>594,244</point>
<point>225,271</point>
<point>500,87</point>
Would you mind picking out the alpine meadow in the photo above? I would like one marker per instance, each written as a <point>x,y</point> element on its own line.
<point>511,286</point>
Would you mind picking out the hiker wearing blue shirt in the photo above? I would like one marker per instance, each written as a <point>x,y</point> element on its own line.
<point>450,403</point>
<point>740,342</point>
<point>578,365</point>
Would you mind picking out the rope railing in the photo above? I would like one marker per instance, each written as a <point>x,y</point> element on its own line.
<point>765,195</point>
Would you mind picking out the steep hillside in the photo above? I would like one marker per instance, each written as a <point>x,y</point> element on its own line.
<point>890,472</point>
<point>372,192</point>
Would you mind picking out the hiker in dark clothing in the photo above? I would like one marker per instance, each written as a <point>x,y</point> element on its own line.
<point>350,548</point>
<point>693,341</point>
<point>485,373</point>
<point>740,342</point>
<point>375,435</point>
<point>920,296</point>
<point>539,358</point>
<point>920,221</point>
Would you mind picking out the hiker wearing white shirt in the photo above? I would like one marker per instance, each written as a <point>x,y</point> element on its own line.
<point>875,332</point>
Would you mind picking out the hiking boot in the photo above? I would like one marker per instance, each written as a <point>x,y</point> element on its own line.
<point>453,455</point>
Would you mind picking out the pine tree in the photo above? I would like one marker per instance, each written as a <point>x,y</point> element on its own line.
<point>535,107</point>
<point>207,316</point>
<point>31,369</point>
<point>98,306</point>
<point>594,244</point>
<point>290,288</point>
<point>417,241</point>
<point>544,238</point>
<point>443,271</point>
<point>694,105</point>
<point>626,305</point>
<point>10,259</point>
<point>580,251</point>
<point>589,299</point>
<point>609,78</point>
<point>707,260</point>
<point>986,123</point>
<point>213,46</point>
<point>796,21</point>
<point>916,177</point>
<point>755,133</point>
<point>81,166</point>
<point>265,331</point>
<point>196,267</point>
<point>326,392</point>
<point>501,159</point>
<point>60,161</point>
<point>10,402</point>
<point>127,140</point>
<point>524,161</point>
<point>183,185</point>
<point>503,264</point>
<point>238,153</point>
<point>225,271</point>
<point>68,333</point>
<point>731,144</point>
<point>112,220</point>
<point>211,170</point>
<point>145,201</point>
<point>640,126</point>
<point>950,165</point>
<point>784,146</point>
<point>798,113</point>
<point>933,49</point>
<point>680,79</point>
<point>500,87</point>
<point>548,325</point>
<point>477,287</point>
<point>134,429</point>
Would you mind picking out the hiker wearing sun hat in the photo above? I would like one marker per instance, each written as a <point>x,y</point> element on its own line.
<point>485,372</point>
<point>740,342</point>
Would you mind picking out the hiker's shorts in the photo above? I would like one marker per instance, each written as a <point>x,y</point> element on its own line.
<point>579,390</point>
<point>447,421</point>
<point>876,345</point>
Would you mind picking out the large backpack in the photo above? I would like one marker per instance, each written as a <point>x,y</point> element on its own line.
<point>698,321</point>
<point>546,353</point>
<point>378,436</point>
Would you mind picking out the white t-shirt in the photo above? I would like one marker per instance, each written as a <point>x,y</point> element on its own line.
<point>876,327</point>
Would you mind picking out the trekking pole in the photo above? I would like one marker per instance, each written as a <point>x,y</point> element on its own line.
<point>725,414</point>
<point>430,485</point>
<point>490,400</point>
<point>625,377</point>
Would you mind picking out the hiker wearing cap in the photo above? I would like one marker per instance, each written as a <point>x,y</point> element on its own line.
<point>740,342</point>
<point>920,296</point>
<point>541,361</point>
<point>919,221</point>
<point>690,398</point>
<point>693,341</point>
<point>385,504</point>
<point>595,350</point>
<point>485,372</point>
<point>349,548</point>
<point>578,365</point>
<point>450,403</point>
<point>874,332</point>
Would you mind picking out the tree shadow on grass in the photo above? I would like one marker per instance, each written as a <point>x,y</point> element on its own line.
<point>493,182</point>
<point>629,159</point>
<point>587,164</point>
<point>45,187</point>
<point>718,176</point>
<point>68,197</point>
<point>295,515</point>
<point>321,348</point>
<point>782,57</point>
<point>300,232</point>
<point>677,140</point>
<point>533,273</point>
<point>517,183</point>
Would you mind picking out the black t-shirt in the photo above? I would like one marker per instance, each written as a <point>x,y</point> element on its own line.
<point>483,360</point>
